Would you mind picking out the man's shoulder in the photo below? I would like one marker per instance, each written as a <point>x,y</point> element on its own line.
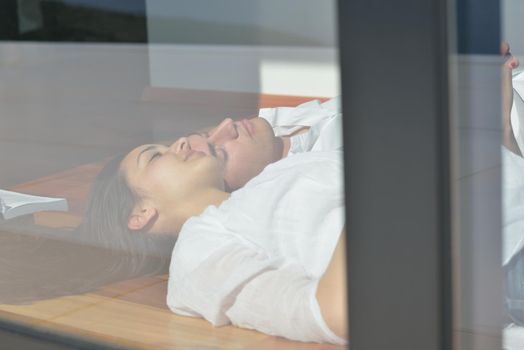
<point>320,157</point>
<point>326,165</point>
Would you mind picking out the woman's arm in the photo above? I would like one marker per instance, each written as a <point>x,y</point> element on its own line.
<point>332,291</point>
<point>241,285</point>
<point>508,139</point>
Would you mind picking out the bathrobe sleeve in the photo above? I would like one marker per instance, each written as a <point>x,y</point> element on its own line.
<point>240,285</point>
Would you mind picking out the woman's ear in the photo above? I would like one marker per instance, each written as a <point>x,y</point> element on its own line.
<point>141,217</point>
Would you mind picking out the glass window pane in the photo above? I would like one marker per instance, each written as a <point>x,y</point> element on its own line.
<point>485,152</point>
<point>187,158</point>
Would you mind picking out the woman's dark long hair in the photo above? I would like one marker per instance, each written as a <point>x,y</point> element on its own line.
<point>41,263</point>
<point>105,222</point>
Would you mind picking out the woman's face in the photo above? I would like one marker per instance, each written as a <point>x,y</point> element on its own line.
<point>172,175</point>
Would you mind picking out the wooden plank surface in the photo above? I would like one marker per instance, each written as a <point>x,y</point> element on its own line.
<point>129,313</point>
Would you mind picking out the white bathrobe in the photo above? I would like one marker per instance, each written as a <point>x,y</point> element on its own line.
<point>323,119</point>
<point>256,260</point>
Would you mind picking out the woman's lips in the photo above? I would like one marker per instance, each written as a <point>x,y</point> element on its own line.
<point>192,154</point>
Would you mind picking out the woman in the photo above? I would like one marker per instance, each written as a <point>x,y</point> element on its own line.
<point>258,258</point>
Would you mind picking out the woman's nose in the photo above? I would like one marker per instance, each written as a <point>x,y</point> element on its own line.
<point>225,131</point>
<point>180,145</point>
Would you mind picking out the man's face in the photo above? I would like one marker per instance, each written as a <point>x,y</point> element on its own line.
<point>246,146</point>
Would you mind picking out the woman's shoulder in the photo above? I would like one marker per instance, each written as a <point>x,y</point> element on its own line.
<point>200,238</point>
<point>196,239</point>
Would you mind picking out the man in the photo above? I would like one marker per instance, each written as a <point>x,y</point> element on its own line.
<point>247,146</point>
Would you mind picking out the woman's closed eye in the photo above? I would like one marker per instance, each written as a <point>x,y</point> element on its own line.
<point>155,155</point>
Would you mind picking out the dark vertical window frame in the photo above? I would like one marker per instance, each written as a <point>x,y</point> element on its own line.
<point>394,71</point>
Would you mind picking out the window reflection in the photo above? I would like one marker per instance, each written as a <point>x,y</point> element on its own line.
<point>202,186</point>
<point>74,20</point>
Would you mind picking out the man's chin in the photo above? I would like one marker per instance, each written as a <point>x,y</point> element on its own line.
<point>263,127</point>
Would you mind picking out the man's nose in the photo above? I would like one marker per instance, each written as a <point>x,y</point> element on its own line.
<point>224,132</point>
